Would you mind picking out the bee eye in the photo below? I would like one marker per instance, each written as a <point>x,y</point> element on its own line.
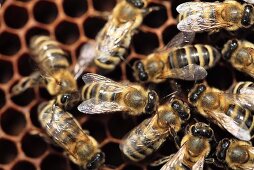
<point>231,48</point>
<point>137,3</point>
<point>246,19</point>
<point>179,109</point>
<point>142,75</point>
<point>65,98</point>
<point>151,104</point>
<point>96,161</point>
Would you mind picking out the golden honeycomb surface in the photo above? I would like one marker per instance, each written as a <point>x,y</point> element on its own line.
<point>73,23</point>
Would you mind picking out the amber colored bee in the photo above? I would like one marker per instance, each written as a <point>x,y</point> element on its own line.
<point>236,154</point>
<point>240,54</point>
<point>115,37</point>
<point>103,95</point>
<point>148,136</point>
<point>195,147</point>
<point>212,16</point>
<point>222,108</point>
<point>66,132</point>
<point>187,62</point>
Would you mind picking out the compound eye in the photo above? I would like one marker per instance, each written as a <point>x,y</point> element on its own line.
<point>65,98</point>
<point>194,131</point>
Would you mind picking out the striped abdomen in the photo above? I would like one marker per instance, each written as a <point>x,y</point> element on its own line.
<point>203,55</point>
<point>236,89</point>
<point>143,140</point>
<point>48,54</point>
<point>97,91</point>
<point>242,116</point>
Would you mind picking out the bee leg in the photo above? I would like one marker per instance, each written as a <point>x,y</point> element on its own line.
<point>150,9</point>
<point>33,80</point>
<point>105,15</point>
<point>175,138</point>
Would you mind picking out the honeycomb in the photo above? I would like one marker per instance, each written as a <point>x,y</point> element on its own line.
<point>73,23</point>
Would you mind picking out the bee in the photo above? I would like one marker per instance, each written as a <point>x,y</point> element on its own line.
<point>66,132</point>
<point>54,72</point>
<point>115,37</point>
<point>244,92</point>
<point>236,154</point>
<point>240,54</point>
<point>212,16</point>
<point>103,95</point>
<point>148,136</point>
<point>186,62</point>
<point>222,108</point>
<point>195,147</point>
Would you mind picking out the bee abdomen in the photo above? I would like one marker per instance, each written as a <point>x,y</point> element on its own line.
<point>237,88</point>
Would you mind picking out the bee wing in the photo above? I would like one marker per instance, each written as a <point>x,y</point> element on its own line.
<point>199,165</point>
<point>249,1</point>
<point>231,125</point>
<point>194,6</point>
<point>147,133</point>
<point>113,38</point>
<point>189,72</point>
<point>87,54</point>
<point>178,40</point>
<point>93,106</point>
<point>176,159</point>
<point>91,78</point>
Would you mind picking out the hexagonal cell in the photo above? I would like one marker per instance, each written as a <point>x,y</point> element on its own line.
<point>8,151</point>
<point>92,26</point>
<point>35,31</point>
<point>24,98</point>
<point>150,39</point>
<point>44,93</point>
<point>67,32</point>
<point>26,65</point>
<point>23,165</point>
<point>9,43</point>
<point>53,162</point>
<point>106,5</point>
<point>113,154</point>
<point>33,145</point>
<point>75,8</point>
<point>2,98</point>
<point>96,129</point>
<point>6,71</point>
<point>223,80</point>
<point>34,116</point>
<point>168,33</point>
<point>13,122</point>
<point>156,18</point>
<point>15,16</point>
<point>45,12</point>
<point>125,122</point>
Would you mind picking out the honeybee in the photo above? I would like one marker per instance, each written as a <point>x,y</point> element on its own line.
<point>236,154</point>
<point>103,95</point>
<point>186,62</point>
<point>244,92</point>
<point>66,132</point>
<point>195,147</point>
<point>240,54</point>
<point>223,110</point>
<point>115,37</point>
<point>212,16</point>
<point>148,136</point>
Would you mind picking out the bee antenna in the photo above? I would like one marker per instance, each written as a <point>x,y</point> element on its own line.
<point>171,95</point>
<point>126,62</point>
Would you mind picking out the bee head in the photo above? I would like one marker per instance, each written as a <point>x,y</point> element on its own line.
<point>152,102</point>
<point>68,100</point>
<point>136,3</point>
<point>222,149</point>
<point>247,16</point>
<point>201,130</point>
<point>182,110</point>
<point>195,94</point>
<point>141,74</point>
<point>95,163</point>
<point>229,49</point>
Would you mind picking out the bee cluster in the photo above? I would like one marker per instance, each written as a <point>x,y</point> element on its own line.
<point>188,111</point>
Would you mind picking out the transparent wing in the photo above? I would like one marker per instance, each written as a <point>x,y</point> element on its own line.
<point>176,159</point>
<point>196,23</point>
<point>178,40</point>
<point>87,54</point>
<point>94,106</point>
<point>91,78</point>
<point>145,136</point>
<point>194,6</point>
<point>112,39</point>
<point>199,165</point>
<point>239,130</point>
<point>249,1</point>
<point>189,72</point>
